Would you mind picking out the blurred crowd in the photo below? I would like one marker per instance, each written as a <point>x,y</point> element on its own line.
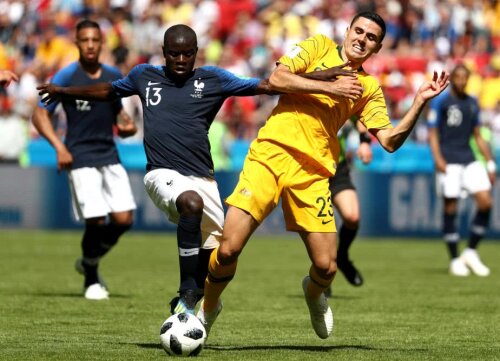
<point>247,37</point>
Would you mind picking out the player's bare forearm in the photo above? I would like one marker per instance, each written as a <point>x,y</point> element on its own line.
<point>329,74</point>
<point>265,88</point>
<point>99,91</point>
<point>482,145</point>
<point>43,124</point>
<point>392,139</point>
<point>284,81</point>
<point>439,161</point>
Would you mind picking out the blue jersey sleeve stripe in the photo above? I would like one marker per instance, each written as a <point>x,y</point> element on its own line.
<point>232,84</point>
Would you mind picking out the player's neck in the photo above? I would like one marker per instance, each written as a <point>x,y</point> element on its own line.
<point>93,69</point>
<point>352,65</point>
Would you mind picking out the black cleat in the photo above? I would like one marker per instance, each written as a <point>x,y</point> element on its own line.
<point>350,272</point>
<point>173,304</point>
<point>185,303</point>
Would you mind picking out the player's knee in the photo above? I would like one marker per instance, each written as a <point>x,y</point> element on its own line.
<point>325,268</point>
<point>123,219</point>
<point>189,203</point>
<point>228,254</point>
<point>351,220</point>
<point>485,205</point>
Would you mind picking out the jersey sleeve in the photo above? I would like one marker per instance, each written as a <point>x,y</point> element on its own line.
<point>374,114</point>
<point>232,84</point>
<point>301,55</point>
<point>61,78</point>
<point>127,86</point>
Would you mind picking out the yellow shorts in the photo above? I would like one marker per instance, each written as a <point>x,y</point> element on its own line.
<point>271,172</point>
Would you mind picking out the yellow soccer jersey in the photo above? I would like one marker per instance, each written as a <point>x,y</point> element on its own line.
<point>308,123</point>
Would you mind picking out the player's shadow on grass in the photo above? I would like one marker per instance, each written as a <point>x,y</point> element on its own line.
<point>271,347</point>
<point>334,296</point>
<point>289,347</point>
<point>71,295</point>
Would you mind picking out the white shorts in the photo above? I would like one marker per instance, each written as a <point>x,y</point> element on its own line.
<point>164,187</point>
<point>98,191</point>
<point>459,178</point>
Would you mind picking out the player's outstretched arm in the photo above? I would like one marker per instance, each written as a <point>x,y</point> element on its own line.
<point>330,74</point>
<point>6,77</point>
<point>99,91</point>
<point>392,139</point>
<point>284,81</point>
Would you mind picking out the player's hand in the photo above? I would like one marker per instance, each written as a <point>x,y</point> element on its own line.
<point>346,87</point>
<point>64,159</point>
<point>365,153</point>
<point>434,87</point>
<point>6,77</point>
<point>126,129</point>
<point>493,177</point>
<point>334,72</point>
<point>440,165</point>
<point>49,93</point>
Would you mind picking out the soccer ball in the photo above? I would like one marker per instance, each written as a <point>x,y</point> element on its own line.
<point>182,334</point>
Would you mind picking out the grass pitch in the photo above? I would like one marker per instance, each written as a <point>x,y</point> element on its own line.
<point>408,309</point>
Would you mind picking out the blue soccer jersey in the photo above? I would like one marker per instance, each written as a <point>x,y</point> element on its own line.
<point>89,134</point>
<point>177,116</point>
<point>455,119</point>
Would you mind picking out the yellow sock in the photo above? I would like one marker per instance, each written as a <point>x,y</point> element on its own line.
<point>317,285</point>
<point>218,278</point>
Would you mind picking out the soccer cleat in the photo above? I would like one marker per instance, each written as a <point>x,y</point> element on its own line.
<point>321,314</point>
<point>350,272</point>
<point>208,318</point>
<point>96,292</point>
<point>458,268</point>
<point>471,259</point>
<point>185,303</point>
<point>79,268</point>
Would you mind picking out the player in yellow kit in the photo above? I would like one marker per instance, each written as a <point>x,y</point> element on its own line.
<point>296,152</point>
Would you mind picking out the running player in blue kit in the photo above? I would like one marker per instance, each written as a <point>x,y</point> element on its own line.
<point>453,119</point>
<point>179,104</point>
<point>100,187</point>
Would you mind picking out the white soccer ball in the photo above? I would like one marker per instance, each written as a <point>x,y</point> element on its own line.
<point>182,334</point>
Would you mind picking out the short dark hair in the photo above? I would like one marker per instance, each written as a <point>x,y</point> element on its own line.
<point>376,18</point>
<point>86,23</point>
<point>460,66</point>
<point>180,31</point>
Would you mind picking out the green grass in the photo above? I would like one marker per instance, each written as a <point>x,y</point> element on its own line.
<point>408,309</point>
